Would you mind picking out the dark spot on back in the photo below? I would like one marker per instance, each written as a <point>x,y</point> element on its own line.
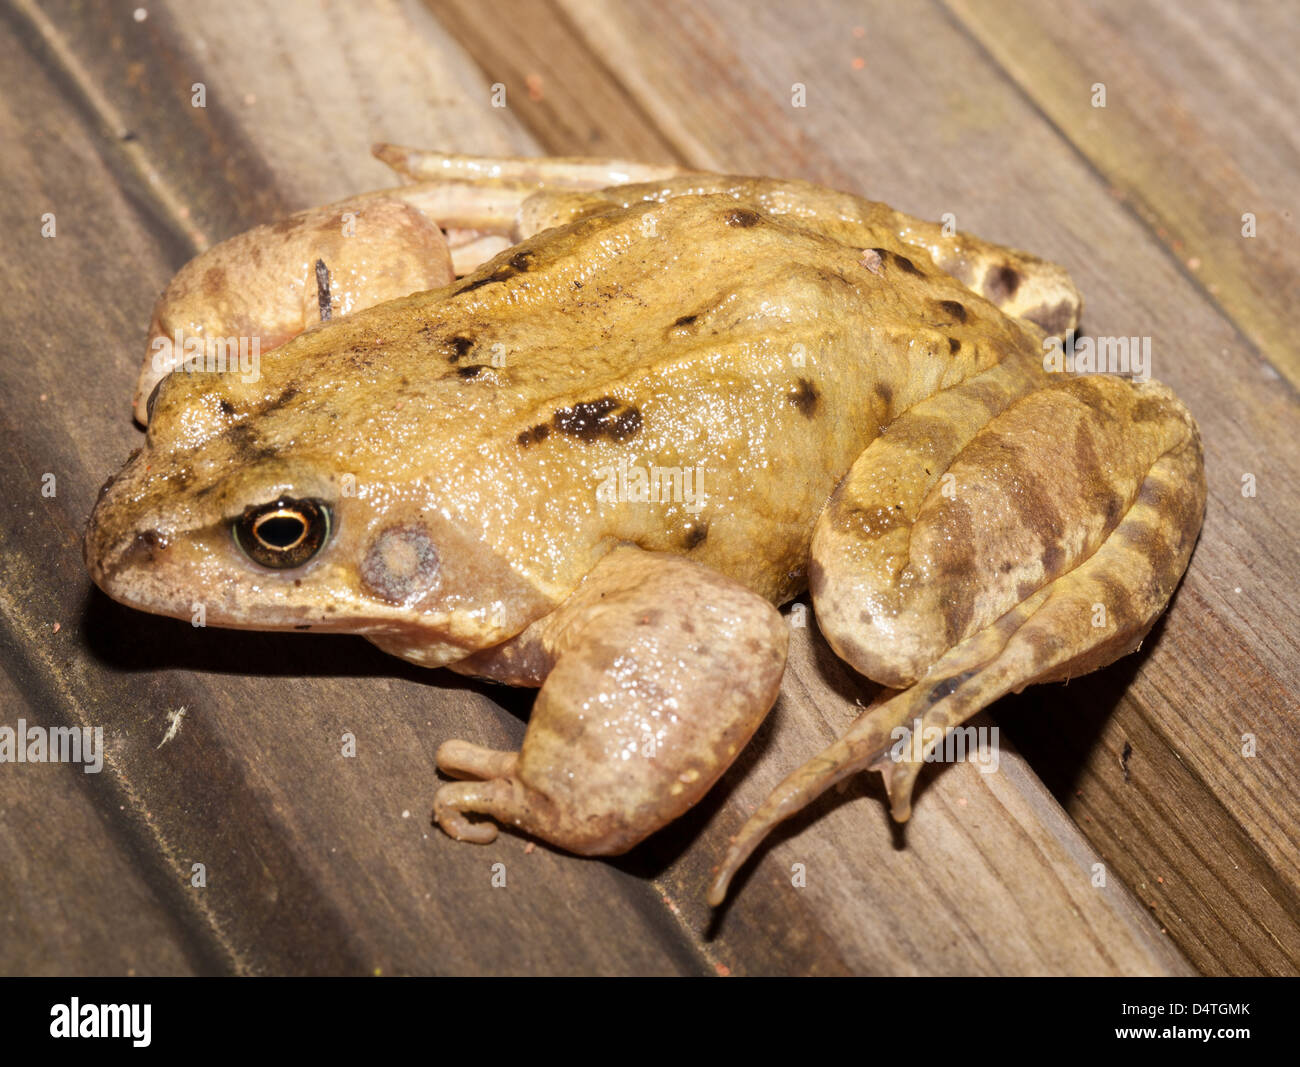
<point>1152,494</point>
<point>593,419</point>
<point>954,346</point>
<point>517,262</point>
<point>804,396</point>
<point>460,347</point>
<point>290,391</point>
<point>534,436</point>
<point>740,216</point>
<point>696,534</point>
<point>905,264</point>
<point>954,309</point>
<point>885,392</point>
<point>686,320</point>
<point>478,283</point>
<point>1001,283</point>
<point>470,371</point>
<point>226,407</point>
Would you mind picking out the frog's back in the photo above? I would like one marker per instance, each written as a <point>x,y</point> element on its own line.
<point>693,376</point>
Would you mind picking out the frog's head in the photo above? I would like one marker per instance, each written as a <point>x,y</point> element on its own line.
<point>294,501</point>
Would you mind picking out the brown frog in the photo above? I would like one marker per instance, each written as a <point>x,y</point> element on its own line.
<point>654,405</point>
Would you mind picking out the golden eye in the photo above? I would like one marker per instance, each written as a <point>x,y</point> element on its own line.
<point>284,534</point>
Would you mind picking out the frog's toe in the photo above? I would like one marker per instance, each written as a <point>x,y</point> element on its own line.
<point>463,759</point>
<point>500,798</point>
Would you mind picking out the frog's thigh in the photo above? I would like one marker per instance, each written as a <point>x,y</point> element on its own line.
<point>1072,517</point>
<point>661,671</point>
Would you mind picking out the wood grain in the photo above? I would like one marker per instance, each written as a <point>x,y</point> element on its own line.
<point>1197,131</point>
<point>318,863</point>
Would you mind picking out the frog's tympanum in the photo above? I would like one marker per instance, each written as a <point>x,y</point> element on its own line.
<point>584,425</point>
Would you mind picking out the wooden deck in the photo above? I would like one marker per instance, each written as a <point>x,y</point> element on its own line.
<point>320,864</point>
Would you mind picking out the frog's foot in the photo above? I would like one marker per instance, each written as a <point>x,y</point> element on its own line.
<point>1069,519</point>
<point>617,746</point>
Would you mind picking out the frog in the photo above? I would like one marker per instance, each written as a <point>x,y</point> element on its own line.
<point>483,394</point>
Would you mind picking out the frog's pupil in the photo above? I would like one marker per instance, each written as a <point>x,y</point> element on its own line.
<point>281,531</point>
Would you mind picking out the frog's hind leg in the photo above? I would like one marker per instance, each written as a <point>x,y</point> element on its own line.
<point>479,201</point>
<point>657,672</point>
<point>553,172</point>
<point>1063,531</point>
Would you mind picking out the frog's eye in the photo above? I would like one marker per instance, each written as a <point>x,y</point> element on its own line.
<point>284,534</point>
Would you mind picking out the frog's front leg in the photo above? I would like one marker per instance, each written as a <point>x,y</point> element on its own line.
<point>656,673</point>
<point>993,537</point>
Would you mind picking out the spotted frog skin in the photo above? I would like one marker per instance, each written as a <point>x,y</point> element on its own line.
<point>453,373</point>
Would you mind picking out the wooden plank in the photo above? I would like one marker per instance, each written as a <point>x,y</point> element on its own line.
<point>1198,130</point>
<point>1226,659</point>
<point>557,90</point>
<point>74,898</point>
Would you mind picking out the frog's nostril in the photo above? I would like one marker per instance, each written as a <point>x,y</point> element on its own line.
<point>107,551</point>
